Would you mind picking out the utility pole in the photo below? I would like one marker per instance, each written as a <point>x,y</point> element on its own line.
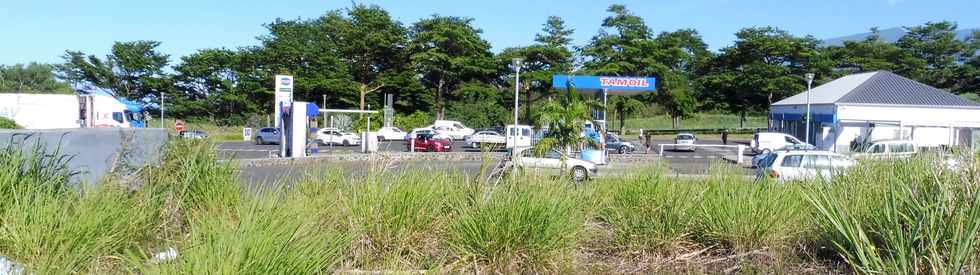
<point>161,110</point>
<point>809,82</point>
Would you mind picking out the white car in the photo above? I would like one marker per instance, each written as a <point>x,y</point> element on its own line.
<point>454,129</point>
<point>391,133</point>
<point>485,138</point>
<point>436,134</point>
<point>803,165</point>
<point>336,136</point>
<point>768,142</point>
<point>685,141</point>
<point>580,170</point>
<point>889,149</point>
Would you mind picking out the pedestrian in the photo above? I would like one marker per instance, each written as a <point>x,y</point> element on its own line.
<point>724,137</point>
<point>646,137</point>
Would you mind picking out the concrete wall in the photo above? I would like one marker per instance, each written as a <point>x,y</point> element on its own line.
<point>95,151</point>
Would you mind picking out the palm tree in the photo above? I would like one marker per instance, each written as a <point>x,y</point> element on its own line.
<point>625,106</point>
<point>565,117</point>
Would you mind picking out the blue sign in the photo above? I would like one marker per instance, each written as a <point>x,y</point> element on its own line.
<point>614,85</point>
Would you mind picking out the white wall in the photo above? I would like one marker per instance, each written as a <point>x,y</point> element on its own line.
<point>925,126</point>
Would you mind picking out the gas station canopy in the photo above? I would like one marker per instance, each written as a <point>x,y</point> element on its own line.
<point>611,85</point>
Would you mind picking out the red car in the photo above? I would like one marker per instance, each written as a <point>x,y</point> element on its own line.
<point>427,143</point>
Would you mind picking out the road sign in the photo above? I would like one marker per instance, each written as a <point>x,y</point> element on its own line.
<point>283,95</point>
<point>179,125</point>
<point>246,134</point>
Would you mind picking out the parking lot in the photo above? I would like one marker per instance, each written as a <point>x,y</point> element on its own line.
<point>679,162</point>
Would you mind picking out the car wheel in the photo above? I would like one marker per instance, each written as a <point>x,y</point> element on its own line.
<point>346,142</point>
<point>624,150</point>
<point>381,138</point>
<point>259,141</point>
<point>579,174</point>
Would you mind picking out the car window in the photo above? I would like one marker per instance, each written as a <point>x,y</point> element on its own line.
<point>838,161</point>
<point>118,117</point>
<point>526,153</point>
<point>877,149</point>
<point>901,148</point>
<point>791,140</point>
<point>526,132</point>
<point>552,155</point>
<point>792,161</point>
<point>685,137</point>
<point>816,162</point>
<point>458,126</point>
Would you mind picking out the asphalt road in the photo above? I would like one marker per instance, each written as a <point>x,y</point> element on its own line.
<point>679,162</point>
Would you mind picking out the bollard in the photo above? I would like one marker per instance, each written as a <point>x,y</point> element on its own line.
<point>412,144</point>
<point>741,152</point>
<point>661,150</point>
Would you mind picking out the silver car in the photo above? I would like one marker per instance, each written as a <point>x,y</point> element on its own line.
<point>685,141</point>
<point>267,136</point>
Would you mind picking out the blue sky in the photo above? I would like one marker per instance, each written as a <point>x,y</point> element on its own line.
<point>41,30</point>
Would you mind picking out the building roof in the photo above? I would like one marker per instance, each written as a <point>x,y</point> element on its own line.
<point>878,88</point>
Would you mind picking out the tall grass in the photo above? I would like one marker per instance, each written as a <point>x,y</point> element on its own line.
<point>522,226</point>
<point>649,211</point>
<point>882,217</point>
<point>921,218</point>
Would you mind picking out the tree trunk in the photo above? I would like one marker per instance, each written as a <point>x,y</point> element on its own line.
<point>440,105</point>
<point>741,119</point>
<point>363,93</point>
<point>673,122</point>
<point>622,122</point>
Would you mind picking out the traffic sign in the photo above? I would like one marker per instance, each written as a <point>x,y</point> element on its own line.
<point>179,125</point>
<point>246,134</point>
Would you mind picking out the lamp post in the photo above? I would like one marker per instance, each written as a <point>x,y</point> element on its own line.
<point>517,86</point>
<point>809,82</point>
<point>161,110</point>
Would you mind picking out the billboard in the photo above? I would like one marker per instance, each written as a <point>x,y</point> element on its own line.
<point>284,95</point>
<point>613,85</point>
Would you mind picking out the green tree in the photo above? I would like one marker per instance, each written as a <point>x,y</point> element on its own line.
<point>133,70</point>
<point>870,54</point>
<point>448,51</point>
<point>371,44</point>
<point>940,52</point>
<point>32,78</point>
<point>539,62</point>
<point>565,117</point>
<point>303,49</point>
<point>765,65</point>
<point>480,106</point>
<point>6,123</point>
<point>209,84</point>
<point>623,107</point>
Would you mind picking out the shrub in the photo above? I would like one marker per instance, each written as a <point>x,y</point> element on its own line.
<point>6,123</point>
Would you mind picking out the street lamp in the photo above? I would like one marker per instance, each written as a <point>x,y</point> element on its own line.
<point>809,83</point>
<point>517,86</point>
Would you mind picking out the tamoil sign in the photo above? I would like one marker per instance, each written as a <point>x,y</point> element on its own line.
<point>613,85</point>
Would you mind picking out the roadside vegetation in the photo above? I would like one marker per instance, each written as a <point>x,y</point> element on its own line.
<point>6,123</point>
<point>190,213</point>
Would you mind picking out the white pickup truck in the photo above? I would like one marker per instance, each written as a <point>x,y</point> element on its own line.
<point>485,138</point>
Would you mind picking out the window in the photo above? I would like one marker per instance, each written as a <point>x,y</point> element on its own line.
<point>458,126</point>
<point>526,132</point>
<point>792,140</point>
<point>552,154</point>
<point>513,132</point>
<point>118,117</point>
<point>877,149</point>
<point>901,148</point>
<point>792,161</point>
<point>817,162</point>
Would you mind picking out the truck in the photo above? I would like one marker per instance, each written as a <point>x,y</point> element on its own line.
<point>64,111</point>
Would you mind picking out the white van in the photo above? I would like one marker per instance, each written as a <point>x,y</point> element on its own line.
<point>803,165</point>
<point>519,136</point>
<point>453,128</point>
<point>768,142</point>
<point>889,149</point>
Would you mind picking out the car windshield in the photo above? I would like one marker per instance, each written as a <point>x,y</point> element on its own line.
<point>685,137</point>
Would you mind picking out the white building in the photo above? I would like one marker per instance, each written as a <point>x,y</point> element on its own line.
<point>871,106</point>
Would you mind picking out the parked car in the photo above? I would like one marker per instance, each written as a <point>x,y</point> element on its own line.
<point>427,131</point>
<point>685,141</point>
<point>427,142</point>
<point>267,136</point>
<point>888,149</point>
<point>803,165</point>
<point>334,136</point>
<point>620,145</point>
<point>454,129</point>
<point>580,170</point>
<point>391,133</point>
<point>193,134</point>
<point>768,142</point>
<point>762,156</point>
<point>486,138</point>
